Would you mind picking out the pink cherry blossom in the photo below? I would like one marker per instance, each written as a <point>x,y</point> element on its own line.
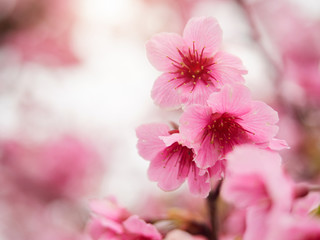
<point>172,160</point>
<point>192,64</point>
<point>111,221</point>
<point>256,182</point>
<point>231,118</point>
<point>255,178</point>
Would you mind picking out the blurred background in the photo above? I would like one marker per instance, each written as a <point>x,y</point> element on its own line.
<point>75,83</point>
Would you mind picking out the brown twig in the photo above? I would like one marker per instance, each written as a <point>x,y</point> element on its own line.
<point>212,201</point>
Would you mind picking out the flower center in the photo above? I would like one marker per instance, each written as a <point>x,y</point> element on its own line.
<point>193,68</point>
<point>224,132</point>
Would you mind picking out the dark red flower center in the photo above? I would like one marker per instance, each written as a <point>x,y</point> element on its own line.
<point>224,132</point>
<point>194,67</point>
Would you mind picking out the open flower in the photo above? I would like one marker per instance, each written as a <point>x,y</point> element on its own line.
<point>172,160</point>
<point>231,118</point>
<point>192,64</point>
<point>256,182</point>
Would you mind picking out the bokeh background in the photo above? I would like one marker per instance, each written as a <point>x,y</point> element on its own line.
<point>75,83</point>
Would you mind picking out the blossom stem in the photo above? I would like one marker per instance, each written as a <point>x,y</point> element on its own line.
<point>212,201</point>
<point>314,188</point>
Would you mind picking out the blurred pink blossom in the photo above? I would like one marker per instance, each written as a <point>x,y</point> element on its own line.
<point>256,182</point>
<point>297,40</point>
<point>283,226</point>
<point>193,65</point>
<point>111,221</point>
<point>40,31</point>
<point>255,177</point>
<point>61,167</point>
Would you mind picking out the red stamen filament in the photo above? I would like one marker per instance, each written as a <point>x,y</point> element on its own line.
<point>193,68</point>
<point>224,132</point>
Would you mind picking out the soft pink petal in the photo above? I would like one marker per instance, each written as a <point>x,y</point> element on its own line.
<point>293,227</point>
<point>171,139</point>
<point>246,190</point>
<point>111,226</point>
<point>193,120</point>
<point>204,32</point>
<point>235,100</point>
<point>95,229</point>
<point>199,95</point>
<point>207,155</point>
<point>164,92</point>
<point>217,172</point>
<point>278,144</point>
<point>137,226</point>
<point>166,172</point>
<point>227,69</point>
<point>227,60</point>
<point>164,45</point>
<point>260,121</point>
<point>199,185</point>
<point>108,208</point>
<point>149,143</point>
<point>99,227</point>
<point>257,222</point>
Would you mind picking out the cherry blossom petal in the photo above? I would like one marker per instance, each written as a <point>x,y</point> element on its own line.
<point>197,96</point>
<point>208,154</point>
<point>109,208</point>
<point>164,92</point>
<point>166,172</point>
<point>260,121</point>
<point>235,100</point>
<point>278,144</point>
<point>204,32</point>
<point>137,226</point>
<point>193,120</point>
<point>217,172</point>
<point>199,185</point>
<point>149,143</point>
<point>163,46</point>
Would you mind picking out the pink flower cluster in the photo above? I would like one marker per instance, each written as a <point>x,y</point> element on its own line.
<point>218,112</point>
<point>273,206</point>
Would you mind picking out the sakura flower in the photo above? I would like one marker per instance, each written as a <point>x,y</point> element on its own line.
<point>255,177</point>
<point>256,182</point>
<point>231,118</point>
<point>172,160</point>
<point>192,64</point>
<point>111,221</point>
